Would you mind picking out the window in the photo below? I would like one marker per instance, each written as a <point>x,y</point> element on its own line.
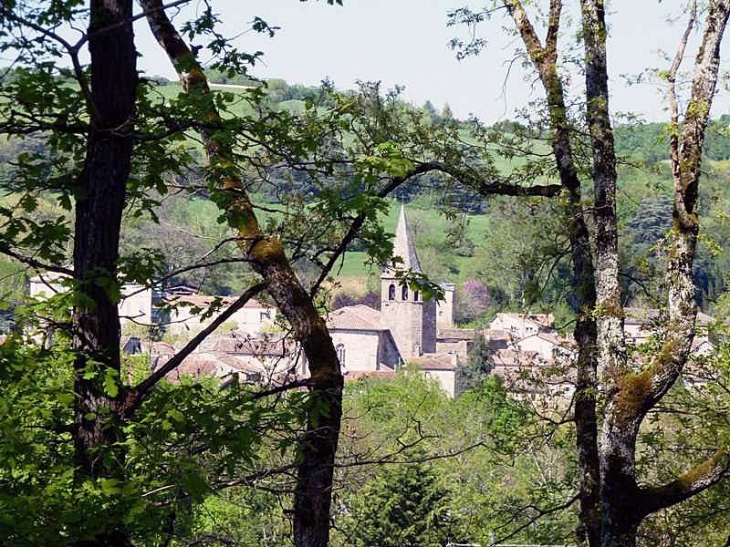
<point>391,292</point>
<point>415,296</point>
<point>404,293</point>
<point>341,354</point>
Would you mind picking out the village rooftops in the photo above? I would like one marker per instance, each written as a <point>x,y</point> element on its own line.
<point>215,364</point>
<point>542,320</point>
<point>202,301</point>
<point>504,358</point>
<point>646,316</point>
<point>270,345</point>
<point>354,375</point>
<point>456,334</point>
<point>359,317</point>
<point>435,361</point>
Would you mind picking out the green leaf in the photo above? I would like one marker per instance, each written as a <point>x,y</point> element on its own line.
<point>110,487</point>
<point>110,383</point>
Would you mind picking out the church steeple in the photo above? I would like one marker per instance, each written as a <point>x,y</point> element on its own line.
<point>411,321</point>
<point>403,247</point>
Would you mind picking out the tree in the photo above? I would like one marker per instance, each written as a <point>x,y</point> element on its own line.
<point>403,506</point>
<point>131,145</point>
<point>613,500</point>
<point>472,301</point>
<point>471,374</point>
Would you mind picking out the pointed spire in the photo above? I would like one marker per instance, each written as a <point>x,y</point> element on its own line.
<point>403,246</point>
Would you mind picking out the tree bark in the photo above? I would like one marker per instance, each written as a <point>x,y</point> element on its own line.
<point>613,505</point>
<point>544,59</point>
<point>316,453</point>
<point>99,208</point>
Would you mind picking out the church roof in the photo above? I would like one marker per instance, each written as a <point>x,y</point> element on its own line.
<point>403,246</point>
<point>358,317</point>
<point>435,361</point>
<point>455,334</point>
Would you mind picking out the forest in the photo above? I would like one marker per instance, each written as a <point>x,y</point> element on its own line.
<point>244,191</point>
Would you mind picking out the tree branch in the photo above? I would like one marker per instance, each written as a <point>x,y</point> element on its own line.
<point>671,359</point>
<point>140,390</point>
<point>551,40</point>
<point>33,263</point>
<point>694,481</point>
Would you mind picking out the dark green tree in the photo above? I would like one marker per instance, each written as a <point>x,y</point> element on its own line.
<point>403,507</point>
<point>478,366</point>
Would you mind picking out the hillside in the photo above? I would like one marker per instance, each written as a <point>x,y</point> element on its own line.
<point>513,247</point>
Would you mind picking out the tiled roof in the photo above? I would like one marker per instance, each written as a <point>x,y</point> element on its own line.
<point>203,301</point>
<point>455,334</point>
<point>435,361</point>
<point>235,343</point>
<point>515,358</point>
<point>703,319</point>
<point>543,320</point>
<point>354,375</point>
<point>698,341</point>
<point>460,348</point>
<point>162,348</point>
<point>197,366</point>
<point>547,336</point>
<point>641,316</point>
<point>210,363</point>
<point>359,317</point>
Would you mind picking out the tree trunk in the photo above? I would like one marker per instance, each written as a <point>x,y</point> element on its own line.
<point>544,58</point>
<point>619,532</point>
<point>316,452</point>
<point>612,504</point>
<point>99,208</point>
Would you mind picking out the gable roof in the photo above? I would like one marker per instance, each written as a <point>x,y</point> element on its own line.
<point>265,345</point>
<point>435,361</point>
<point>455,334</point>
<point>359,317</point>
<point>542,320</point>
<point>645,317</point>
<point>203,301</point>
<point>354,375</point>
<point>403,247</point>
<point>515,358</point>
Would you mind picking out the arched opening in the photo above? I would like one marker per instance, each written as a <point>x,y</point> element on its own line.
<point>415,296</point>
<point>391,292</point>
<point>404,293</point>
<point>341,355</point>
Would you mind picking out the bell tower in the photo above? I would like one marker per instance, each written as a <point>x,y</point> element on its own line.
<point>411,321</point>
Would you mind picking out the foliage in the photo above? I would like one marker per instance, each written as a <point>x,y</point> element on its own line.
<point>472,300</point>
<point>403,506</point>
<point>474,372</point>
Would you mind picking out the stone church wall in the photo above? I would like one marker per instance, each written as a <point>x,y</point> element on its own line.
<point>360,349</point>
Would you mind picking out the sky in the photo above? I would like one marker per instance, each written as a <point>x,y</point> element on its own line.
<point>405,42</point>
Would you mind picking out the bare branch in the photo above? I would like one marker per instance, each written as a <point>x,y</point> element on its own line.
<point>551,40</point>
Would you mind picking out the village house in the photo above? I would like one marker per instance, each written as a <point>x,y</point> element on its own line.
<point>522,325</point>
<point>135,305</point>
<point>189,314</point>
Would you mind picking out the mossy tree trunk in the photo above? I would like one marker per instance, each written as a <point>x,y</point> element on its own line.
<point>613,504</point>
<point>316,453</point>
